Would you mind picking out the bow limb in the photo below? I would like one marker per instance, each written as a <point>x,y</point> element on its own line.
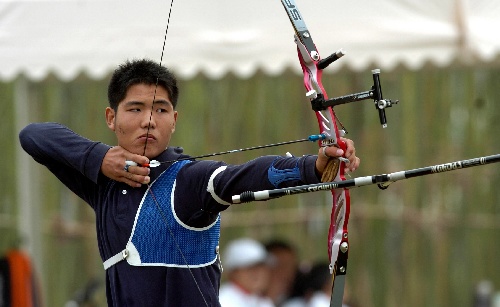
<point>309,59</point>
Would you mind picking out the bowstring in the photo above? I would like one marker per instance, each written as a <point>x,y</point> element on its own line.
<point>177,244</point>
<point>158,76</point>
<point>144,153</point>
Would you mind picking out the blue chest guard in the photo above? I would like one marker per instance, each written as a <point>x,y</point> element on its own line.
<point>159,238</point>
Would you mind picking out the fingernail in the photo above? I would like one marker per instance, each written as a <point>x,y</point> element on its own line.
<point>146,180</point>
<point>340,152</point>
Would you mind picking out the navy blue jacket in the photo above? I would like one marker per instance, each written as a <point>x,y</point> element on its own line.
<point>76,162</point>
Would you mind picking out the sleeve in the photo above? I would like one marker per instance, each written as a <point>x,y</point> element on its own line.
<point>73,159</point>
<point>268,172</point>
<point>205,188</point>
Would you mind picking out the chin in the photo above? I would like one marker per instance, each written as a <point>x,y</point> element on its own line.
<point>152,153</point>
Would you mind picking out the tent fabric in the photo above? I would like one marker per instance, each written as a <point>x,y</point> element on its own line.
<point>67,37</point>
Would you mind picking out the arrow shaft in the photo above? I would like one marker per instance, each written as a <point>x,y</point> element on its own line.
<point>383,180</point>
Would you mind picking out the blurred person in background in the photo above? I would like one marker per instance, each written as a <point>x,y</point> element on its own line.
<point>19,284</point>
<point>314,288</point>
<point>283,272</point>
<point>320,286</point>
<point>483,295</point>
<point>248,268</point>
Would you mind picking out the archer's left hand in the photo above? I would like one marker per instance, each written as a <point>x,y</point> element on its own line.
<point>326,153</point>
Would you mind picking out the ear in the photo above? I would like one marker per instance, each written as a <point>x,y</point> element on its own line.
<point>175,121</point>
<point>110,118</point>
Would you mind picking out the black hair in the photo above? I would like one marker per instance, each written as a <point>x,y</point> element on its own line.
<point>140,72</point>
<point>279,245</point>
<point>319,276</point>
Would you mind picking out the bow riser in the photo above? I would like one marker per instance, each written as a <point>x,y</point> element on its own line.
<point>314,86</point>
<point>328,126</point>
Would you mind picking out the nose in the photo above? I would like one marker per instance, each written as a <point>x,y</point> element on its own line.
<point>148,120</point>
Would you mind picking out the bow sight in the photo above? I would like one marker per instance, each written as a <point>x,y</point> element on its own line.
<point>319,103</point>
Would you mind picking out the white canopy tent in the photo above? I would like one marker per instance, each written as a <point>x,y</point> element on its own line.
<point>67,37</point>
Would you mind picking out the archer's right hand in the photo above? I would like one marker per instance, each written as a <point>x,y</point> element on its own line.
<point>113,166</point>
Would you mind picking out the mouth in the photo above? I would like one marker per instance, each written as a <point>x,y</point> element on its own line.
<point>147,137</point>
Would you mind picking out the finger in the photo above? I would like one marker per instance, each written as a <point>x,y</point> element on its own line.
<point>127,167</point>
<point>353,165</point>
<point>140,160</point>
<point>137,170</point>
<point>138,180</point>
<point>332,152</point>
<point>128,178</point>
<point>350,149</point>
<point>141,179</point>
<point>347,141</point>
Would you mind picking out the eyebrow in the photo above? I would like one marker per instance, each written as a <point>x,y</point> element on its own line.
<point>163,101</point>
<point>142,103</point>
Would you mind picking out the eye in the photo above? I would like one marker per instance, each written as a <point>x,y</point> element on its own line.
<point>161,110</point>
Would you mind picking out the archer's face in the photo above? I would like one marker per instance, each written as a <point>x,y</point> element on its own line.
<point>130,122</point>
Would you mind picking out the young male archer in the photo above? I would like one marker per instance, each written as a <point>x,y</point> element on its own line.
<point>158,228</point>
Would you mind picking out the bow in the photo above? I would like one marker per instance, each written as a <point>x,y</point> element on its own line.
<point>309,58</point>
<point>312,68</point>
